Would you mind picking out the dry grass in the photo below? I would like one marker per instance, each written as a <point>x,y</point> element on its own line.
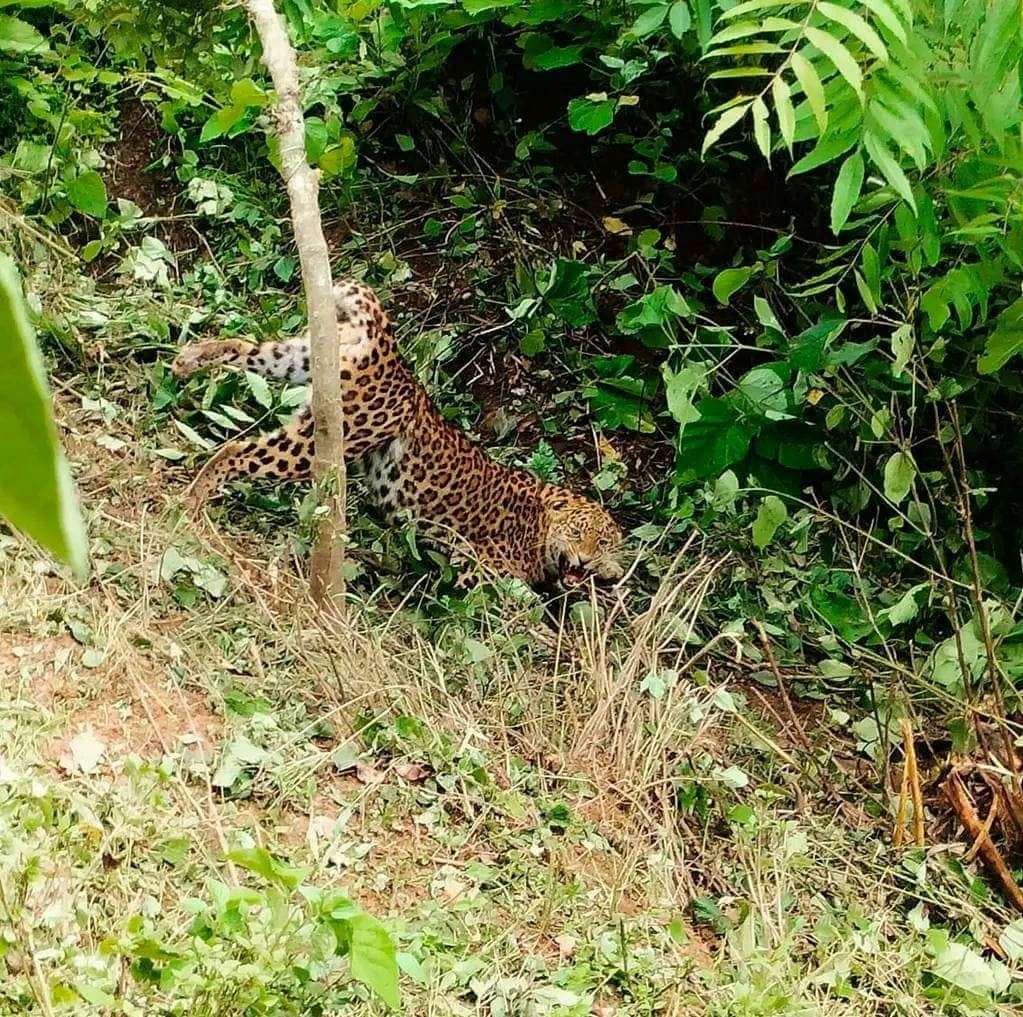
<point>543,846</point>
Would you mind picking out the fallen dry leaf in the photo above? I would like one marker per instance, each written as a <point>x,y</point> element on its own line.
<point>412,772</point>
<point>367,773</point>
<point>566,945</point>
<point>85,752</point>
<point>616,226</point>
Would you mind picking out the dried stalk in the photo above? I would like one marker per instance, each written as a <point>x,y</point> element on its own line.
<point>326,573</point>
<point>989,854</point>
<point>913,780</point>
<point>783,689</point>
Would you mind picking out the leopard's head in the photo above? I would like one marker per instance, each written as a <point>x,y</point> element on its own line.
<point>582,538</point>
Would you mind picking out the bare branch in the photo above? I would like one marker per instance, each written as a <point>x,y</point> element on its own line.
<point>326,574</point>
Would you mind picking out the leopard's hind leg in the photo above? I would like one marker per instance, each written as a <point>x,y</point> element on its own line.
<point>286,454</point>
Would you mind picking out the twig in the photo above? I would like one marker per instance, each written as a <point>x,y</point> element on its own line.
<point>989,854</point>
<point>799,729</point>
<point>912,777</point>
<point>326,565</point>
<point>984,833</point>
<point>900,816</point>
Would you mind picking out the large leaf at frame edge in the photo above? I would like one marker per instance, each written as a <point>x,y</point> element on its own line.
<point>36,492</point>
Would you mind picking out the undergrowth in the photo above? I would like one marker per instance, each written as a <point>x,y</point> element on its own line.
<point>746,272</point>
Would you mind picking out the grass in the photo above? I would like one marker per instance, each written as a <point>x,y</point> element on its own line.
<point>595,806</point>
<point>604,820</point>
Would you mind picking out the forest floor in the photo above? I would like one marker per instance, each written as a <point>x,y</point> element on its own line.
<point>545,828</point>
<point>614,815</point>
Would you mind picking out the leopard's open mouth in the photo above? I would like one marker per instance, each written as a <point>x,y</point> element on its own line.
<point>575,575</point>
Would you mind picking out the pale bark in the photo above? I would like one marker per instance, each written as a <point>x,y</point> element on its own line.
<point>326,575</point>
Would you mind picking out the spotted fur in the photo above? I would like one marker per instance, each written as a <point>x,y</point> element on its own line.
<point>417,464</point>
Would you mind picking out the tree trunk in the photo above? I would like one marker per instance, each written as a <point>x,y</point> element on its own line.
<point>326,574</point>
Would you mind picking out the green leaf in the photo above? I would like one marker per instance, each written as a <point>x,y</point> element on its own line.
<point>88,194</point>
<point>899,473</point>
<point>839,56</point>
<point>887,17</point>
<point>890,168</point>
<point>483,6</point>
<point>679,18</point>
<point>966,969</point>
<point>902,348</point>
<point>221,122</point>
<point>809,80</point>
<point>847,191</point>
<point>729,281</point>
<point>649,21</point>
<point>246,92</point>
<point>713,442</point>
<point>679,389</point>
<point>260,389</point>
<point>771,514</point>
<point>728,119</point>
<point>761,128</point>
<point>373,958</point>
<point>783,108</point>
<point>1005,341</point>
<point>17,36</point>
<point>857,26</point>
<point>36,494</point>
<point>591,114</point>
<point>261,862</point>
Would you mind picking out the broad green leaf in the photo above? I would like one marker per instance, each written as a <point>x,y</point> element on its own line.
<point>679,388</point>
<point>899,473</point>
<point>839,56</point>
<point>810,82</point>
<point>260,861</point>
<point>221,122</point>
<point>907,607</point>
<point>246,92</point>
<point>847,191</point>
<point>902,348</point>
<point>729,281</point>
<point>482,6</point>
<point>591,114</point>
<point>966,969</point>
<point>783,108</point>
<point>1005,341</point>
<point>373,958</point>
<point>36,492</point>
<point>728,119</point>
<point>857,26</point>
<point>887,17</point>
<point>1011,940</point>
<point>755,6</point>
<point>260,389</point>
<point>717,440</point>
<point>650,20</point>
<point>771,514</point>
<point>88,194</point>
<point>17,36</point>
<point>679,18</point>
<point>761,128</point>
<point>890,168</point>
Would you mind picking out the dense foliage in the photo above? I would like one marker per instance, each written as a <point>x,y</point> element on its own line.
<point>746,270</point>
<point>779,240</point>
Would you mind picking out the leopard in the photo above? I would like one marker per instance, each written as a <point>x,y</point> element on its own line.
<point>491,518</point>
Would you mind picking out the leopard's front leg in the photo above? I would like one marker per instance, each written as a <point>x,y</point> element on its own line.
<point>286,454</point>
<point>287,359</point>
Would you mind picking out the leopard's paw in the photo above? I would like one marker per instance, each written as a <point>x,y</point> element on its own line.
<point>199,356</point>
